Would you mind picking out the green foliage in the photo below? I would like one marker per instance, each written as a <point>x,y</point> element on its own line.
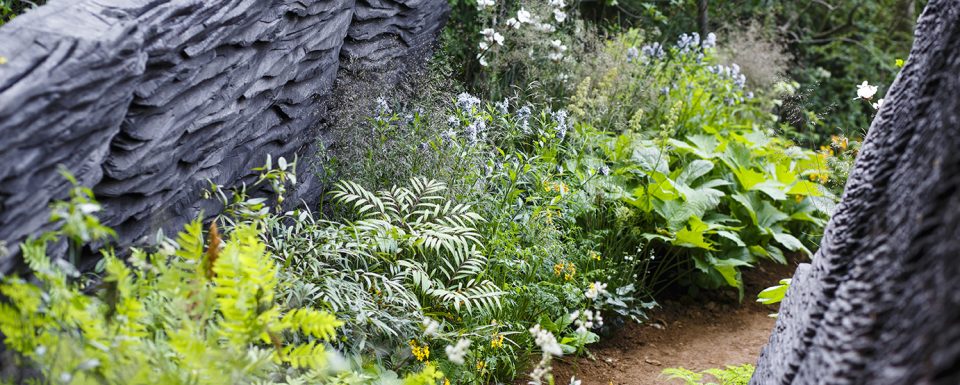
<point>162,319</point>
<point>191,312</point>
<point>689,150</point>
<point>834,46</point>
<point>732,375</point>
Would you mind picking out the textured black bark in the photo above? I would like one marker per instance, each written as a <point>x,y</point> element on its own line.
<point>145,100</point>
<point>880,303</point>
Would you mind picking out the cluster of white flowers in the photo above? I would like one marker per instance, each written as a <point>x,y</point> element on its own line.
<point>475,130</point>
<point>558,13</point>
<point>548,343</point>
<point>557,49</point>
<point>653,50</point>
<point>688,43</point>
<point>503,107</point>
<point>467,102</point>
<point>483,4</point>
<point>490,37</point>
<point>382,110</point>
<point>560,117</point>
<point>456,353</point>
<point>731,72</point>
<point>710,41</point>
<point>596,289</point>
<point>431,328</point>
<point>523,116</point>
<point>586,320</point>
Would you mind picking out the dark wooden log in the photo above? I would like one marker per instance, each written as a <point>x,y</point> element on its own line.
<point>880,302</point>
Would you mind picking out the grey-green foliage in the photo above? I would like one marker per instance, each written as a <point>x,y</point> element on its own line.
<point>409,251</point>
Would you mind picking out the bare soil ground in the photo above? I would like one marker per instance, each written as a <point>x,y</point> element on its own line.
<point>696,334</point>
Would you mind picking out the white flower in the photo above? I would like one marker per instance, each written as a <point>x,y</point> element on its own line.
<point>546,341</point>
<point>878,104</point>
<point>498,38</point>
<point>544,27</point>
<point>456,353</point>
<point>866,91</point>
<point>484,45</point>
<point>574,381</point>
<point>558,3</point>
<point>523,16</point>
<point>595,290</point>
<point>481,4</point>
<point>559,15</point>
<point>513,22</point>
<point>710,41</point>
<point>483,60</point>
<point>490,36</point>
<point>431,327</point>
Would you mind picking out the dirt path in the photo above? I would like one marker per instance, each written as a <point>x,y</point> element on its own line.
<point>693,334</point>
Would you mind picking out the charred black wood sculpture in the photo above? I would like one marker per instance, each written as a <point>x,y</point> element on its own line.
<point>880,303</point>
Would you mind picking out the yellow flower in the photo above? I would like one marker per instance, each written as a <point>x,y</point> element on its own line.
<point>422,353</point>
<point>497,341</point>
<point>558,269</point>
<point>840,142</point>
<point>595,255</point>
<point>480,366</point>
<point>446,381</point>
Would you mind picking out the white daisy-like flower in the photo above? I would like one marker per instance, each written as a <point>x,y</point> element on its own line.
<point>595,290</point>
<point>866,91</point>
<point>524,16</point>
<point>559,15</point>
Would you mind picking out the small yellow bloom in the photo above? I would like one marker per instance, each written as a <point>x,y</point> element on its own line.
<point>480,366</point>
<point>446,381</point>
<point>497,341</point>
<point>422,353</point>
<point>595,255</point>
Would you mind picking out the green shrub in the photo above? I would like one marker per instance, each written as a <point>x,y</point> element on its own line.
<point>191,312</point>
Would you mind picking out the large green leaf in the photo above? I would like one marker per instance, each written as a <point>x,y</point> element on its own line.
<point>790,242</point>
<point>692,236</point>
<point>769,215</point>
<point>652,158</point>
<point>694,170</point>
